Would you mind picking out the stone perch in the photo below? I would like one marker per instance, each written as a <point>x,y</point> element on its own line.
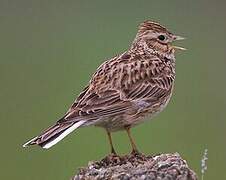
<point>141,167</point>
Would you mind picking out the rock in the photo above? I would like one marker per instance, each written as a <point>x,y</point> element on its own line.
<point>138,166</point>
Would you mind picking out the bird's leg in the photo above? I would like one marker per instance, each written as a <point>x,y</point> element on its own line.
<point>134,148</point>
<point>110,141</point>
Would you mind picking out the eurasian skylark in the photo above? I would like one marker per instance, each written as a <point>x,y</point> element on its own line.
<point>124,90</point>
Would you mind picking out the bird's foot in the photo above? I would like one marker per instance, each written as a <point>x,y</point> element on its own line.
<point>135,152</point>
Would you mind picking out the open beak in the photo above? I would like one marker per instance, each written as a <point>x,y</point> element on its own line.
<point>177,38</point>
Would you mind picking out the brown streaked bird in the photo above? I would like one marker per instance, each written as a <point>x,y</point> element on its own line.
<point>124,90</point>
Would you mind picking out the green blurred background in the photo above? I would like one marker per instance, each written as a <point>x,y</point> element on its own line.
<point>49,49</point>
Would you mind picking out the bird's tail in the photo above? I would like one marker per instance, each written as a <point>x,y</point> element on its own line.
<point>53,134</point>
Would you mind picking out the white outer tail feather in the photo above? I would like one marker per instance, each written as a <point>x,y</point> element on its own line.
<point>60,137</point>
<point>63,135</point>
<point>26,144</point>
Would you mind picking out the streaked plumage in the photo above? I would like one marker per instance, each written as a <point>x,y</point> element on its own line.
<point>125,89</point>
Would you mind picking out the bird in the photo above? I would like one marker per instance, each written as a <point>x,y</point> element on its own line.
<point>125,90</point>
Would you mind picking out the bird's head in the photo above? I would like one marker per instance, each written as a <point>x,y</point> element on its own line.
<point>157,37</point>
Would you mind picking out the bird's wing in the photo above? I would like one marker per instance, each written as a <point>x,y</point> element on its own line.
<point>117,84</point>
<point>94,106</point>
<point>153,81</point>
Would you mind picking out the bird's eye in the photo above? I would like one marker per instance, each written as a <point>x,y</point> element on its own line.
<point>161,37</point>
